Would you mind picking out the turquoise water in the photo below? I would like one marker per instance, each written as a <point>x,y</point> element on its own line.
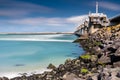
<point>29,52</point>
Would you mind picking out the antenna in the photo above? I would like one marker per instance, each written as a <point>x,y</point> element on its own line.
<point>96,7</point>
<point>89,12</point>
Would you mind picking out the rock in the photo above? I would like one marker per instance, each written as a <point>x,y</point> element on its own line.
<point>61,67</point>
<point>48,77</point>
<point>116,64</point>
<point>103,48</point>
<point>4,78</point>
<point>77,62</point>
<point>112,49</point>
<point>94,70</point>
<point>51,66</point>
<point>68,61</point>
<point>104,59</point>
<point>117,53</point>
<point>118,74</point>
<point>97,49</point>
<point>85,58</point>
<point>70,76</point>
<point>89,78</point>
<point>84,71</point>
<point>93,58</point>
<point>17,65</point>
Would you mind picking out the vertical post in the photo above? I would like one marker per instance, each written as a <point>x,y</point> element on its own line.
<point>96,7</point>
<point>89,13</point>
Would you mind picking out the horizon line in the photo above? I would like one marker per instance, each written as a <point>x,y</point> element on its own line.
<point>36,32</point>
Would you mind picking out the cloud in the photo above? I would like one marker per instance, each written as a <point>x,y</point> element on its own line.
<point>49,21</point>
<point>42,24</point>
<point>77,19</point>
<point>38,21</point>
<point>109,5</point>
<point>12,8</point>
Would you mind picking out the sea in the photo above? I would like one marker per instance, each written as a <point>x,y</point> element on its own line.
<point>32,53</point>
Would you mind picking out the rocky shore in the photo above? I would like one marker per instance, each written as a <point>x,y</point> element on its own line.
<point>100,62</point>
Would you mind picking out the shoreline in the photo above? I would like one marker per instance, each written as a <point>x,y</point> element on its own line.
<point>11,75</point>
<point>95,61</point>
<point>34,33</point>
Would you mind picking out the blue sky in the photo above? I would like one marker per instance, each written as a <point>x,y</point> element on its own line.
<point>50,15</point>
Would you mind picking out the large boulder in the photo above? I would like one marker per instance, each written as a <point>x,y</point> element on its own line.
<point>104,59</point>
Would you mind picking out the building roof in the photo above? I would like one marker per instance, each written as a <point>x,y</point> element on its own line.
<point>115,19</point>
<point>97,15</point>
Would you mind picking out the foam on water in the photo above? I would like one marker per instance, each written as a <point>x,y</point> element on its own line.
<point>34,38</point>
<point>15,74</point>
<point>31,39</point>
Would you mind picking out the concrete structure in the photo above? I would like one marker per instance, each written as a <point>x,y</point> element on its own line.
<point>95,22</point>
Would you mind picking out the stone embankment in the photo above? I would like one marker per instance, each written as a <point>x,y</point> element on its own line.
<point>100,62</point>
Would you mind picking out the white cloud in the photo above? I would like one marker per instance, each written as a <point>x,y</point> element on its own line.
<point>77,19</point>
<point>42,24</point>
<point>49,21</point>
<point>109,5</point>
<point>38,21</point>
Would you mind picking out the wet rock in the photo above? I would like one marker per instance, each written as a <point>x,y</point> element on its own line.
<point>68,61</point>
<point>51,66</point>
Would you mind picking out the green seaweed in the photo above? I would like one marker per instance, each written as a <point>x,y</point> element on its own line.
<point>84,71</point>
<point>86,56</point>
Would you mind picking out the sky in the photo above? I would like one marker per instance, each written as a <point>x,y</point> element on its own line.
<point>50,15</point>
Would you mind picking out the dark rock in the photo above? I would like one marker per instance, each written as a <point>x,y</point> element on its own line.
<point>118,74</point>
<point>89,78</point>
<point>20,65</point>
<point>68,61</point>
<point>113,50</point>
<point>70,76</point>
<point>4,78</point>
<point>51,66</point>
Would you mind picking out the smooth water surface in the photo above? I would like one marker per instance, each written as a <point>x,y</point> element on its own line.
<point>29,52</point>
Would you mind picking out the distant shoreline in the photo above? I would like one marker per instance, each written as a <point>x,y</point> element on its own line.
<point>36,33</point>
